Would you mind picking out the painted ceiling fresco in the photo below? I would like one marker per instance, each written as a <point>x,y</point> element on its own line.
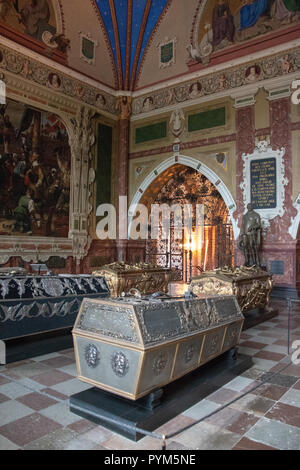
<point>129,25</point>
<point>223,23</point>
<point>35,18</point>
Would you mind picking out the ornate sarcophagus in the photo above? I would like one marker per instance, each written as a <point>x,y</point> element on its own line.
<point>31,305</point>
<point>131,347</point>
<point>146,278</point>
<point>251,285</point>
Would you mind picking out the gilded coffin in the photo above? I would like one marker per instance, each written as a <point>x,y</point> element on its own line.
<point>146,278</point>
<point>131,347</point>
<point>251,285</point>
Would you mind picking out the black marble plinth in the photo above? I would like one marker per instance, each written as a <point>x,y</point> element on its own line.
<point>127,416</point>
<point>258,315</point>
<point>18,349</point>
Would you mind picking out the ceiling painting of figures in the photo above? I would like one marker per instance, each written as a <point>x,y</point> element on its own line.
<point>224,23</point>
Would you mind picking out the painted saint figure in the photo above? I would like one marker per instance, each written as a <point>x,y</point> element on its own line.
<point>286,9</point>
<point>222,23</point>
<point>251,11</point>
<point>35,16</point>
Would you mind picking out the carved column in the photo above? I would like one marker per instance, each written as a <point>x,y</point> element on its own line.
<point>82,140</point>
<point>245,143</point>
<point>123,163</point>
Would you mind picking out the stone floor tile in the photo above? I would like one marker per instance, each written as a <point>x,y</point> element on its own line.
<point>6,444</point>
<point>3,398</point>
<point>70,387</point>
<point>274,392</point>
<point>276,348</point>
<point>291,370</point>
<point>263,364</point>
<point>297,385</point>
<point>98,447</point>
<point>233,420</point>
<point>248,444</point>
<point>60,413</point>
<point>51,378</point>
<point>247,351</point>
<point>173,445</point>
<point>239,383</point>
<point>291,397</point>
<point>4,380</point>
<point>56,440</point>
<point>201,409</point>
<point>285,413</point>
<point>275,434</point>
<point>121,443</point>
<point>31,369</point>
<point>281,342</point>
<point>82,425</point>
<point>270,356</point>
<point>54,394</point>
<point>205,436</point>
<point>28,429</point>
<point>11,411</point>
<point>70,369</point>
<point>13,390</point>
<point>252,373</point>
<point>253,344</point>
<point>223,396</point>
<point>78,443</point>
<point>175,425</point>
<point>37,401</point>
<point>57,362</point>
<point>44,357</point>
<point>252,403</point>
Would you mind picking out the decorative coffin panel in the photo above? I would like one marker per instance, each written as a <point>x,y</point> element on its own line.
<point>251,286</point>
<point>37,304</point>
<point>122,277</point>
<point>132,346</point>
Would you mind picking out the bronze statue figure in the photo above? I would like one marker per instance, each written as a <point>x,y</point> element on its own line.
<point>250,237</point>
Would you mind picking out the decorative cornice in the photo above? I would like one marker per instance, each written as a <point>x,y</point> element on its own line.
<point>32,71</point>
<point>220,83</point>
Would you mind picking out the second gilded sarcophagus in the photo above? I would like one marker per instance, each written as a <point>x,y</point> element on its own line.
<point>132,347</point>
<point>146,278</point>
<point>251,285</point>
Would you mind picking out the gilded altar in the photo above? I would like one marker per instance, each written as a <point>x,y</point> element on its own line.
<point>146,278</point>
<point>251,285</point>
<point>133,346</point>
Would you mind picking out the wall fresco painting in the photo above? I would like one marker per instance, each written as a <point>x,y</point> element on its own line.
<point>33,17</point>
<point>227,22</point>
<point>35,164</point>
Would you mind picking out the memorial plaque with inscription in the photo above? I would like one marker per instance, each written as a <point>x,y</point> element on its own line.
<point>263,183</point>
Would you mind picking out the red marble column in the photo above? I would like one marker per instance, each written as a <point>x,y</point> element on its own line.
<point>278,243</point>
<point>245,143</point>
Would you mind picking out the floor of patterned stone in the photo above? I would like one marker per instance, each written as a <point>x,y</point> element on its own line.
<point>34,403</point>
